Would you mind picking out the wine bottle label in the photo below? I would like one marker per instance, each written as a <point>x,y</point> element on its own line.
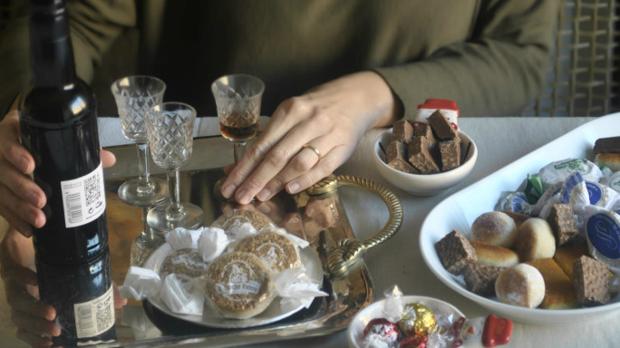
<point>96,316</point>
<point>83,198</point>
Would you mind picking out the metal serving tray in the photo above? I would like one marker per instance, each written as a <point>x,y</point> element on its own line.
<point>319,217</point>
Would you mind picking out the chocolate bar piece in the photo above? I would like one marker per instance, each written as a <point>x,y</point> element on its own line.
<point>450,152</point>
<point>607,145</point>
<point>422,129</point>
<point>441,127</point>
<point>562,222</point>
<point>403,131</point>
<point>455,252</point>
<point>591,281</point>
<point>481,278</point>
<point>396,157</point>
<point>420,157</point>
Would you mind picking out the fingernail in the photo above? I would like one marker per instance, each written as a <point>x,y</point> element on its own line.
<point>24,163</point>
<point>57,331</point>
<point>39,220</point>
<point>26,230</point>
<point>243,197</point>
<point>228,190</point>
<point>292,187</point>
<point>264,195</point>
<point>51,314</point>
<point>34,199</point>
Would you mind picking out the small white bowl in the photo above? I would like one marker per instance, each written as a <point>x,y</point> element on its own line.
<point>375,310</point>
<point>423,184</point>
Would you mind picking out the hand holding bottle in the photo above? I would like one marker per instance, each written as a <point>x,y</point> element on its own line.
<point>21,199</point>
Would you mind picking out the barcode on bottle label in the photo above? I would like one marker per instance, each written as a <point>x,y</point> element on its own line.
<point>83,198</point>
<point>94,317</point>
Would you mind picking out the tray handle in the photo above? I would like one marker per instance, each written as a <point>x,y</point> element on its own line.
<point>342,258</point>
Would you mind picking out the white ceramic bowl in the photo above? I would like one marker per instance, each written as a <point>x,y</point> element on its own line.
<point>461,209</point>
<point>422,184</point>
<point>375,310</point>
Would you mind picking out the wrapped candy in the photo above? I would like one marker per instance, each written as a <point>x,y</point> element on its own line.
<point>417,320</point>
<point>614,181</point>
<point>182,238</point>
<point>557,172</point>
<point>212,243</point>
<point>428,323</point>
<point>515,202</point>
<point>381,332</point>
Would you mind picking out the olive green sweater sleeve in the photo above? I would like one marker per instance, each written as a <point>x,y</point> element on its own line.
<point>498,70</point>
<point>94,25</point>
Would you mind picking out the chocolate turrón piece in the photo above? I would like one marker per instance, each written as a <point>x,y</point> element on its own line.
<point>420,157</point>
<point>607,145</point>
<point>481,278</point>
<point>562,222</point>
<point>403,131</point>
<point>396,157</point>
<point>450,153</point>
<point>441,127</point>
<point>591,281</point>
<point>455,252</point>
<point>421,129</point>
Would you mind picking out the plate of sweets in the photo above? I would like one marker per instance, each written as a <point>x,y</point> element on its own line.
<point>242,271</point>
<point>411,321</point>
<point>539,240</point>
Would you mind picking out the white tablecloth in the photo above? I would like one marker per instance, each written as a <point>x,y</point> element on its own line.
<point>398,261</point>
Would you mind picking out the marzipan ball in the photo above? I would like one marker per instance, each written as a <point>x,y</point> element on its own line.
<point>535,240</point>
<point>495,228</point>
<point>522,285</point>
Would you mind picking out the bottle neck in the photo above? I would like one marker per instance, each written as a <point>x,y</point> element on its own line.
<point>50,45</point>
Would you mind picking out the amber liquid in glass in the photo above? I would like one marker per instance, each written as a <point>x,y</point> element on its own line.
<point>238,128</point>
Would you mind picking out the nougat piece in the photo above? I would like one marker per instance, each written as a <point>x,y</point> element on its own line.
<point>562,221</point>
<point>396,157</point>
<point>403,131</point>
<point>421,129</point>
<point>420,157</point>
<point>559,291</point>
<point>441,127</point>
<point>455,252</point>
<point>450,152</point>
<point>567,254</point>
<point>591,281</point>
<point>481,278</point>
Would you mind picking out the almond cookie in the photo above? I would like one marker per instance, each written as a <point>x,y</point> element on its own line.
<point>239,285</point>
<point>277,251</point>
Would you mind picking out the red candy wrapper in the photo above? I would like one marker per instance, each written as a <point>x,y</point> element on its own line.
<point>381,331</point>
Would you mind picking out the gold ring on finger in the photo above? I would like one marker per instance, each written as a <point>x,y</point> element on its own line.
<point>314,149</point>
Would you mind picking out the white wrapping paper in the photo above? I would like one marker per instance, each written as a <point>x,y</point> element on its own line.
<point>212,242</point>
<point>298,242</point>
<point>182,238</point>
<point>296,288</point>
<point>181,297</point>
<point>238,231</point>
<point>140,283</point>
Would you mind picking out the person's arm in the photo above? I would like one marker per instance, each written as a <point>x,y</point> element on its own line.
<point>496,72</point>
<point>95,24</point>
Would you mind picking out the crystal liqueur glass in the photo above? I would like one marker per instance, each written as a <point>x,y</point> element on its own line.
<point>169,129</point>
<point>238,99</point>
<point>135,96</point>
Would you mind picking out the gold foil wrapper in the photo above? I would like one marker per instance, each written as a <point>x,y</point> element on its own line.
<point>417,320</point>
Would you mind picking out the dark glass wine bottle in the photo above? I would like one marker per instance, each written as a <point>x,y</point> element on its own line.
<point>83,298</point>
<point>58,122</point>
<point>59,127</point>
